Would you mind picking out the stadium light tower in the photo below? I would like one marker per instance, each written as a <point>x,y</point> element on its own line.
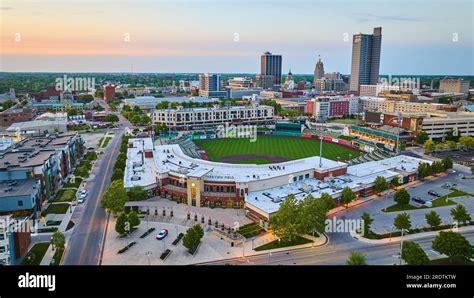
<point>321,146</point>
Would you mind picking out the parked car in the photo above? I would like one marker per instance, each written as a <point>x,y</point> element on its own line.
<point>451,171</point>
<point>434,193</point>
<point>418,200</point>
<point>82,196</point>
<point>162,234</point>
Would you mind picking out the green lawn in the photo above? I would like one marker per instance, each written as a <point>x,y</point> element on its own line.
<point>286,147</point>
<point>77,182</point>
<point>345,120</point>
<point>66,195</point>
<point>454,261</point>
<point>406,207</point>
<point>106,142</point>
<point>57,208</point>
<point>250,230</point>
<point>283,243</point>
<point>36,254</point>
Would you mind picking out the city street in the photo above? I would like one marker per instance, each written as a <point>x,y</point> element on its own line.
<point>86,241</point>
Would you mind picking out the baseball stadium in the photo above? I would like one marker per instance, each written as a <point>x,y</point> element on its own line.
<point>205,171</point>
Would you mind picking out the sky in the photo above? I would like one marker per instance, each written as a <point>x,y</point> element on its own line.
<point>228,36</point>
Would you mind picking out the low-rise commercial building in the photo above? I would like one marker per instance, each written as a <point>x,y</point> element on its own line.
<point>11,116</point>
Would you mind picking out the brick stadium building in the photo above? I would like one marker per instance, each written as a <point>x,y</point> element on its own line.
<point>167,172</point>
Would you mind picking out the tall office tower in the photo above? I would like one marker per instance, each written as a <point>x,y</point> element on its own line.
<point>365,59</point>
<point>208,83</point>
<point>270,65</point>
<point>318,70</point>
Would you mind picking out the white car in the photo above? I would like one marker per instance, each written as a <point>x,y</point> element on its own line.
<point>82,196</point>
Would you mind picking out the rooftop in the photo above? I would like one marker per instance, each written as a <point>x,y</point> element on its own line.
<point>18,187</point>
<point>356,178</point>
<point>171,159</point>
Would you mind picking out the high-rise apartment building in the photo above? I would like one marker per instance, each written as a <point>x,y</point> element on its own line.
<point>109,92</point>
<point>365,59</point>
<point>270,65</point>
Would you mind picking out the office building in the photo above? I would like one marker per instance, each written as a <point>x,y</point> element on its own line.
<point>210,86</point>
<point>271,65</point>
<point>264,81</point>
<point>365,59</point>
<point>454,86</point>
<point>109,92</point>
<point>239,83</point>
<point>318,71</point>
<point>325,84</point>
<point>323,108</point>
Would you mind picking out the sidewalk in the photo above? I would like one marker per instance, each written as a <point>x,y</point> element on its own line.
<point>406,237</point>
<point>48,256</point>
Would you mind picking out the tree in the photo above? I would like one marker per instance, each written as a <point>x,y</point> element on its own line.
<point>58,239</point>
<point>347,196</point>
<point>122,224</point>
<point>402,197</point>
<point>111,118</point>
<point>452,135</point>
<point>429,146</point>
<point>421,137</point>
<point>467,141</point>
<point>460,214</point>
<point>440,147</point>
<point>192,238</point>
<point>114,197</point>
<point>447,163</point>
<point>424,169</point>
<point>117,174</point>
<point>380,184</point>
<point>413,254</point>
<point>356,258</point>
<point>452,244</point>
<point>472,170</point>
<point>7,104</point>
<point>452,145</point>
<point>72,112</point>
<point>286,222</point>
<point>327,200</point>
<point>313,214</point>
<point>137,193</point>
<point>133,219</point>
<point>367,220</point>
<point>402,221</point>
<point>437,167</point>
<point>395,181</point>
<point>433,219</point>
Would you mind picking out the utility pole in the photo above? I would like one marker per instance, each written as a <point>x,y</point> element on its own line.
<point>399,120</point>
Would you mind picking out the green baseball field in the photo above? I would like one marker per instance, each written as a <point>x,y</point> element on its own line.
<point>268,149</point>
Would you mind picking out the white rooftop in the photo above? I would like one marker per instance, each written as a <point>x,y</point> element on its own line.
<point>357,177</point>
<point>171,159</point>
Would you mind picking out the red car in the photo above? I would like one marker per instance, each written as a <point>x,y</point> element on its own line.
<point>162,234</point>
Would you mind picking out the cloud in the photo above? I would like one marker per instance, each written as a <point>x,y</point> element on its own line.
<point>369,17</point>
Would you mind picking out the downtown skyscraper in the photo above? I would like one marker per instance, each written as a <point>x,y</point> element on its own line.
<point>365,59</point>
<point>270,65</point>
